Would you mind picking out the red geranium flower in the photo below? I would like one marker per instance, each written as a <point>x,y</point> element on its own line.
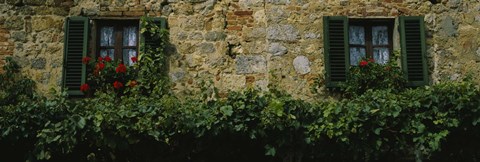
<point>108,59</point>
<point>100,59</point>
<point>134,59</point>
<point>121,68</point>
<point>363,63</point>
<point>117,85</point>
<point>84,87</point>
<point>85,60</point>
<point>100,66</point>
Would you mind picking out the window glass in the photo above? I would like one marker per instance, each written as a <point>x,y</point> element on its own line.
<point>107,40</point>
<point>106,36</point>
<point>357,35</point>
<point>107,52</point>
<point>381,55</point>
<point>356,54</point>
<point>380,35</point>
<point>130,36</point>
<point>127,56</point>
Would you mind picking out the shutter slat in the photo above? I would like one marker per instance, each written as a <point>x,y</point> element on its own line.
<point>413,50</point>
<point>76,37</point>
<point>336,43</point>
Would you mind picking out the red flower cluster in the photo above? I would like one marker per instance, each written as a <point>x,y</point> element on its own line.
<point>108,59</point>
<point>84,87</point>
<point>100,66</point>
<point>134,59</point>
<point>121,68</point>
<point>117,85</point>
<point>85,60</point>
<point>363,63</point>
<point>100,59</point>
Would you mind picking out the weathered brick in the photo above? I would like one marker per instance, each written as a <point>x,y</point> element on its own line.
<point>110,13</point>
<point>249,79</point>
<point>136,9</point>
<point>243,13</point>
<point>118,8</point>
<point>133,13</point>
<point>234,28</point>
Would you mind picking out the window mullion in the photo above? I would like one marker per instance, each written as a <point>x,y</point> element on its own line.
<point>118,43</point>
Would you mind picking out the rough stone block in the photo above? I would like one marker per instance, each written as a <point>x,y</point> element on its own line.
<point>39,63</point>
<point>277,49</point>
<point>14,2</point>
<point>206,48</point>
<point>34,2</point>
<point>447,27</point>
<point>215,36</point>
<point>19,36</point>
<point>251,64</point>
<point>14,23</point>
<point>301,65</point>
<point>282,33</point>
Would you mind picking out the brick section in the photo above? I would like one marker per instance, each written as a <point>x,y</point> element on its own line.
<point>238,19</point>
<point>6,46</point>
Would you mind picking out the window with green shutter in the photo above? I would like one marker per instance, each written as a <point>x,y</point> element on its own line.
<point>412,39</point>
<point>146,37</point>
<point>75,48</point>
<point>347,41</point>
<point>119,39</point>
<point>336,49</point>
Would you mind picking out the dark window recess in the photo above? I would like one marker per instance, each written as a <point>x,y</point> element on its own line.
<point>370,39</point>
<point>118,40</point>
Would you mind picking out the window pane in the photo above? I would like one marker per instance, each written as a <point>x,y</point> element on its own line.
<point>380,35</point>
<point>127,56</point>
<point>357,35</point>
<point>106,36</point>
<point>381,55</point>
<point>356,54</point>
<point>130,36</point>
<point>109,52</point>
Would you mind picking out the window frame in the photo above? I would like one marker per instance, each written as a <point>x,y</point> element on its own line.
<point>368,23</point>
<point>118,47</point>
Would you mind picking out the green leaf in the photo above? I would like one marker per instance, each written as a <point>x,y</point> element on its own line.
<point>270,151</point>
<point>226,110</point>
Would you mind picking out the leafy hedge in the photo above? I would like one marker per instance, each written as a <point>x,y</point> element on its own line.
<point>437,123</point>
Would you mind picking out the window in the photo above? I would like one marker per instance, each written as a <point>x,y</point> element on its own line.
<point>346,41</point>
<point>118,39</point>
<point>370,39</point>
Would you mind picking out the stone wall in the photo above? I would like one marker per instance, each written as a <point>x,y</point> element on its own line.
<point>241,43</point>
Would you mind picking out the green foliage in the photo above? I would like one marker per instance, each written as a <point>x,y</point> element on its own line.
<point>14,86</point>
<point>153,58</point>
<point>412,123</point>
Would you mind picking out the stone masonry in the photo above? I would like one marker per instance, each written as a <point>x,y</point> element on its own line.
<point>240,43</point>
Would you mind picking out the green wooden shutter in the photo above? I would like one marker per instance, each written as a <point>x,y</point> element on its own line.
<point>146,39</point>
<point>336,50</point>
<point>75,48</point>
<point>414,62</point>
